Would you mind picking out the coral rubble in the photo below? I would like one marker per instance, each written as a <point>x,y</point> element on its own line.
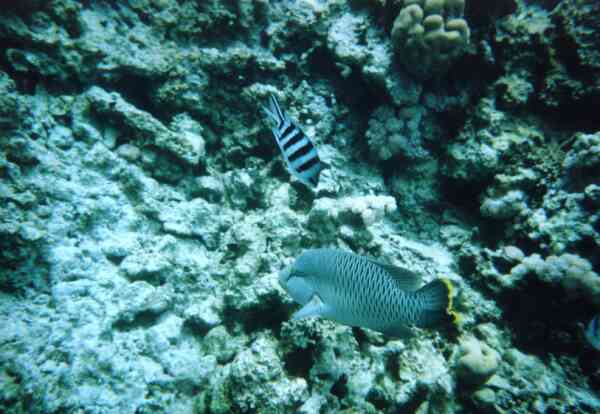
<point>146,211</point>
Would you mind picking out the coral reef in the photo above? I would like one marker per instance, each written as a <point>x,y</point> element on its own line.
<point>146,212</point>
<point>570,271</point>
<point>476,363</point>
<point>429,34</point>
<point>391,135</point>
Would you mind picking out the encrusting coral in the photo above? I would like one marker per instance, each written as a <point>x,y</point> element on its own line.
<point>429,34</point>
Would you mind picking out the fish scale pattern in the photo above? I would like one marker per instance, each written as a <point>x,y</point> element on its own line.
<point>357,291</point>
<point>364,291</point>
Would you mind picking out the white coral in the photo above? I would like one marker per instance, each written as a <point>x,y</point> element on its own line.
<point>505,206</point>
<point>370,209</point>
<point>572,272</point>
<point>585,152</point>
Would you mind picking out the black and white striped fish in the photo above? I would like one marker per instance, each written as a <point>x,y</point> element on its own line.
<point>298,151</point>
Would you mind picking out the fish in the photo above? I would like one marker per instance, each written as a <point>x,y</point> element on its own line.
<point>299,152</point>
<point>360,291</point>
<point>592,332</point>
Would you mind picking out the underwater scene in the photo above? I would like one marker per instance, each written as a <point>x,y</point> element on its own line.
<point>300,206</point>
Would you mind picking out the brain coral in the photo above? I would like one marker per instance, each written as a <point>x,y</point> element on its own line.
<point>429,34</point>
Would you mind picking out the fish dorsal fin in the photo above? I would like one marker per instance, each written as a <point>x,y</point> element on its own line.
<point>403,278</point>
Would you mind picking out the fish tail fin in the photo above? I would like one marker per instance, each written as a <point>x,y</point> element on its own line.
<point>274,110</point>
<point>436,298</point>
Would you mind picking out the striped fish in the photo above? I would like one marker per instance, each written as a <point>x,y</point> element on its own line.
<point>359,291</point>
<point>298,151</point>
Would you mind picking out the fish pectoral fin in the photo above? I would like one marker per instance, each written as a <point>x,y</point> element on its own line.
<point>398,331</point>
<point>314,307</point>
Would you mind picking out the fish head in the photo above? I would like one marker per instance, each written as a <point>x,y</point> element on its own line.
<point>296,284</point>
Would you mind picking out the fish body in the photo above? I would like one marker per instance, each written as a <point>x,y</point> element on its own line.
<point>592,332</point>
<point>359,291</point>
<point>297,149</point>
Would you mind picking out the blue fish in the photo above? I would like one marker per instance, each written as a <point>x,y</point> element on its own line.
<point>359,291</point>
<point>592,332</point>
<point>297,149</point>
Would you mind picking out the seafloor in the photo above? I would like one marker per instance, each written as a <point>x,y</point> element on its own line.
<point>146,210</point>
